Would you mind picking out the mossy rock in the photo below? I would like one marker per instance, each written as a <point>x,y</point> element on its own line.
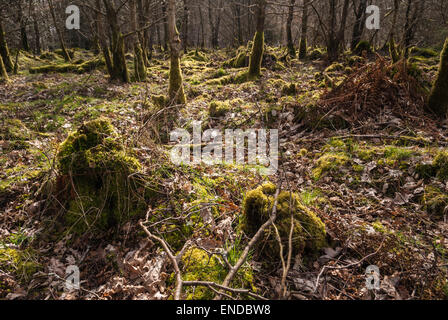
<point>101,178</point>
<point>198,265</point>
<point>435,201</point>
<point>309,233</point>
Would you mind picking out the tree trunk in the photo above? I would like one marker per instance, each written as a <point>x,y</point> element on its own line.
<point>438,99</point>
<point>165,26</point>
<point>393,51</point>
<point>358,27</point>
<point>291,48</point>
<point>119,68</point>
<point>4,50</point>
<point>176,90</point>
<point>185,25</point>
<point>256,56</point>
<point>303,37</point>
<point>59,32</point>
<point>139,61</point>
<point>3,72</point>
<point>37,40</point>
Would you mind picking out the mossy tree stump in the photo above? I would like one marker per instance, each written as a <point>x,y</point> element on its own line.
<point>99,177</point>
<point>308,230</point>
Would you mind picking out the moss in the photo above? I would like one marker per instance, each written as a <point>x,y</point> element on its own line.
<point>98,170</point>
<point>14,130</point>
<point>329,162</point>
<point>20,262</point>
<point>363,46</point>
<point>48,56</point>
<point>438,99</point>
<point>159,101</point>
<point>289,89</point>
<point>396,153</point>
<point>69,67</point>
<point>241,59</point>
<point>140,72</point>
<point>219,109</point>
<point>435,201</point>
<point>198,56</point>
<point>176,89</point>
<point>334,67</point>
<point>256,56</point>
<point>423,52</point>
<point>308,232</point>
<point>198,265</point>
<point>60,52</point>
<point>440,164</point>
<point>316,54</point>
<point>219,74</point>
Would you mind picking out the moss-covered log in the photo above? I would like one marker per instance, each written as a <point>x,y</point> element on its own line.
<point>438,99</point>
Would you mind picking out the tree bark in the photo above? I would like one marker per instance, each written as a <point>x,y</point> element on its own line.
<point>304,34</point>
<point>119,68</point>
<point>291,48</point>
<point>256,56</point>
<point>4,50</point>
<point>358,27</point>
<point>176,90</point>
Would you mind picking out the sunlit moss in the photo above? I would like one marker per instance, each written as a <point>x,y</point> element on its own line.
<point>308,230</point>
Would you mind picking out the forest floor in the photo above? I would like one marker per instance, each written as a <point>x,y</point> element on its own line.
<point>366,181</point>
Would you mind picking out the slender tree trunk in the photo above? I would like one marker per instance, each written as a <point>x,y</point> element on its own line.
<point>165,26</point>
<point>201,18</point>
<point>393,52</point>
<point>4,50</point>
<point>304,34</point>
<point>291,48</point>
<point>256,56</point>
<point>176,90</point>
<point>139,62</point>
<point>59,32</point>
<point>358,27</point>
<point>185,25</point>
<point>37,40</point>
